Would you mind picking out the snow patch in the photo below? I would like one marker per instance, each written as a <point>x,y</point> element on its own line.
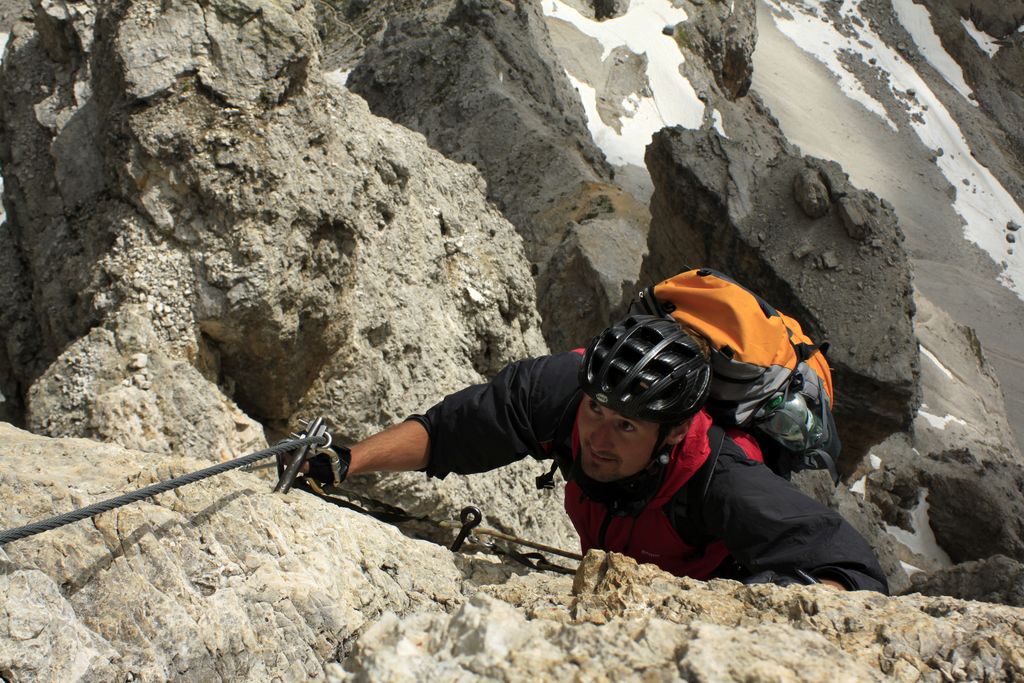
<point>672,100</point>
<point>875,461</point>
<point>939,422</point>
<point>922,539</point>
<point>981,201</point>
<point>802,22</point>
<point>716,119</point>
<point>909,568</point>
<point>626,145</point>
<point>987,43</point>
<point>931,356</point>
<point>918,23</point>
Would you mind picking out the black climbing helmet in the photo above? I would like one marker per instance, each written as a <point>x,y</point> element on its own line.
<point>646,368</point>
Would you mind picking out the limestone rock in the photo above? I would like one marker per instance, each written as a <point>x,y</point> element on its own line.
<point>959,478</point>
<point>223,579</point>
<point>41,637</point>
<point>859,214</point>
<point>811,194</point>
<point>624,621</point>
<point>967,501</point>
<point>609,9</point>
<point>962,403</point>
<point>597,263</point>
<point>719,204</point>
<point>244,210</point>
<point>218,579</point>
<point>117,385</point>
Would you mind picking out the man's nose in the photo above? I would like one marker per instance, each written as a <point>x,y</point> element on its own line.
<point>601,439</point>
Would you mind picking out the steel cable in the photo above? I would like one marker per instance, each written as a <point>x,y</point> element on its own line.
<point>149,491</point>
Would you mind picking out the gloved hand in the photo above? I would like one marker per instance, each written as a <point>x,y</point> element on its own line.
<point>798,578</point>
<point>329,466</point>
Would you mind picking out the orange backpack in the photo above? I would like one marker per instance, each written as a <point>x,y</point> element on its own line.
<point>769,377</point>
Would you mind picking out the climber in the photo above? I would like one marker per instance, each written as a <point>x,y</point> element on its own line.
<point>647,472</point>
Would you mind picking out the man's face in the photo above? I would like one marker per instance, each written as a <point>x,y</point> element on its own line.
<point>613,446</point>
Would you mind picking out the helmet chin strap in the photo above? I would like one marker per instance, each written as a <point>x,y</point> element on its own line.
<point>661,455</point>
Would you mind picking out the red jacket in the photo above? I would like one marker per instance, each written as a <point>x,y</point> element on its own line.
<point>649,537</point>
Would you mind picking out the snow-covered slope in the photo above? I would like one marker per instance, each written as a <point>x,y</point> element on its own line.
<point>982,203</point>
<point>893,114</point>
<point>871,86</point>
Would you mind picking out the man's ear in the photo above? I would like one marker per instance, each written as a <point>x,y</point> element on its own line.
<point>677,433</point>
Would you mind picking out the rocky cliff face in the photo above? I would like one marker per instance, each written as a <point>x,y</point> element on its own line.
<point>250,241</point>
<point>208,237</point>
<point>218,581</point>
<point>483,84</point>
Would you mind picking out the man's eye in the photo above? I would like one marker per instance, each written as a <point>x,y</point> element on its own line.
<point>595,406</point>
<point>627,426</point>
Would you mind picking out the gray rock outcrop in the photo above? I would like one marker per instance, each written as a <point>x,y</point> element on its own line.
<point>722,37</point>
<point>1000,18</point>
<point>607,9</point>
<point>973,506</point>
<point>962,405</point>
<point>117,384</point>
<point>495,97</point>
<point>997,579</point>
<point>950,492</point>
<point>843,275</point>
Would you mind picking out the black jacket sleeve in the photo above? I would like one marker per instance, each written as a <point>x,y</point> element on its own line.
<point>769,524</point>
<point>516,414</point>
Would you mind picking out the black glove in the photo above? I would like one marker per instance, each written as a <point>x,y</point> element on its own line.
<point>798,578</point>
<point>329,466</point>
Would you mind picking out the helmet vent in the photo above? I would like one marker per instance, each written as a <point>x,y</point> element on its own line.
<point>647,367</point>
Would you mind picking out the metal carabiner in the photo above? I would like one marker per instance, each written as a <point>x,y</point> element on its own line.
<point>286,475</point>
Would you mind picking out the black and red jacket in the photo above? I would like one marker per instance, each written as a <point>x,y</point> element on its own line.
<point>692,517</point>
<point>648,534</point>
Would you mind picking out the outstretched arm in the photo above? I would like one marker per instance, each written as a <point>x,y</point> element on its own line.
<point>479,428</point>
<point>399,448</point>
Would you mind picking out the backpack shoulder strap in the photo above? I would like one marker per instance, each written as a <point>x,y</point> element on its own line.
<point>684,509</point>
<point>561,445</point>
